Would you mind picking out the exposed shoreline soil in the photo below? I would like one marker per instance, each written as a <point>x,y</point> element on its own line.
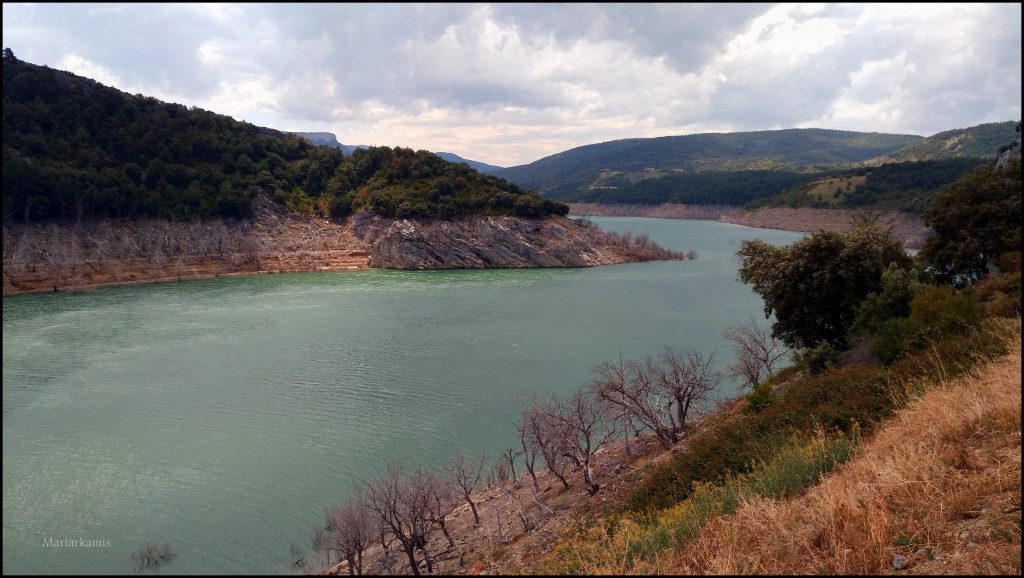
<point>51,258</point>
<point>907,227</point>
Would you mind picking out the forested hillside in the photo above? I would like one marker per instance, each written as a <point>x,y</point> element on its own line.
<point>572,173</point>
<point>908,186</point>
<point>74,149</point>
<point>978,142</point>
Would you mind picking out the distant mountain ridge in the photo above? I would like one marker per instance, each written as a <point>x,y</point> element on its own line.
<point>617,163</point>
<point>479,166</point>
<point>329,139</point>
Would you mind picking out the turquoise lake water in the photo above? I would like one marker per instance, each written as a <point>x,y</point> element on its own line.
<point>221,415</point>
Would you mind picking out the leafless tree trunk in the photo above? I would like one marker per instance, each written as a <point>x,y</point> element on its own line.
<point>546,437</point>
<point>466,473</point>
<point>630,386</point>
<point>529,450</point>
<point>686,378</point>
<point>350,532</point>
<point>441,502</point>
<point>509,457</point>
<point>400,504</point>
<point>757,352</point>
<point>585,431</point>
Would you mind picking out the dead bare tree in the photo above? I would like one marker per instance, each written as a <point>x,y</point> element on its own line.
<point>400,507</point>
<point>508,457</point>
<point>631,387</point>
<point>686,378</point>
<point>585,430</point>
<point>529,450</point>
<point>441,502</point>
<point>546,437</point>
<point>757,352</point>
<point>350,532</point>
<point>658,395</point>
<point>466,473</point>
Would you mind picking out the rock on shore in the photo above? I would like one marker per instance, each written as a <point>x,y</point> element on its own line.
<point>494,242</point>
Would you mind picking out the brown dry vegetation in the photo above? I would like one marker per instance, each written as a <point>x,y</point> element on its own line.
<point>500,544</point>
<point>939,484</point>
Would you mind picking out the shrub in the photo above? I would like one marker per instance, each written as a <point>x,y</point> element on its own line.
<point>1000,293</point>
<point>898,289</point>
<point>817,359</point>
<point>151,555</point>
<point>936,313</point>
<point>760,397</point>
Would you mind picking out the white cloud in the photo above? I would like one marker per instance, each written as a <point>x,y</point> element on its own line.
<point>507,84</point>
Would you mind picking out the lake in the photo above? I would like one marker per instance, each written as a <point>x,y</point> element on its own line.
<point>222,415</point>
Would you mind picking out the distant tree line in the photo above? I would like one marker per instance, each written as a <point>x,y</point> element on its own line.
<point>706,188</point>
<point>904,186</point>
<point>74,149</point>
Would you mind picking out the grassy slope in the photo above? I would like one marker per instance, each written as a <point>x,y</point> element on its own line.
<point>938,483</point>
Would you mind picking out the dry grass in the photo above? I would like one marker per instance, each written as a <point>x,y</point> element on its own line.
<point>824,189</point>
<point>940,484</point>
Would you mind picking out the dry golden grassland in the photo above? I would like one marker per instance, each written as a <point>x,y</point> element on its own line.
<point>824,190</point>
<point>935,490</point>
<point>939,484</point>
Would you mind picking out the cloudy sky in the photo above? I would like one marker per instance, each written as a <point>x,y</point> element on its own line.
<point>508,84</point>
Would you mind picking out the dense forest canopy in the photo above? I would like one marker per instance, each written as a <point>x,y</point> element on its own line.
<point>76,149</point>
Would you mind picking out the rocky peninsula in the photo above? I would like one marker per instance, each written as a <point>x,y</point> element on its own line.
<point>54,257</point>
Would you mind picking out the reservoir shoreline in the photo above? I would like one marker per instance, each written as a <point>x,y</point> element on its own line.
<point>909,228</point>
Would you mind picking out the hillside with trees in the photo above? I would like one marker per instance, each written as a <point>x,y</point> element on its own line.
<point>976,142</point>
<point>569,174</point>
<point>74,150</point>
<point>329,139</point>
<point>787,168</point>
<point>905,186</point>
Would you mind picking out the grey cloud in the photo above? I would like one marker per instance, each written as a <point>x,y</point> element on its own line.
<point>151,44</point>
<point>686,35</point>
<point>556,73</point>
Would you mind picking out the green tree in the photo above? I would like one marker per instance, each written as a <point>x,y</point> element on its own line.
<point>976,220</point>
<point>815,286</point>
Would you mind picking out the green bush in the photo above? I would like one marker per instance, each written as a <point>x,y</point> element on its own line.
<point>899,286</point>
<point>817,359</point>
<point>936,313</point>
<point>760,397</point>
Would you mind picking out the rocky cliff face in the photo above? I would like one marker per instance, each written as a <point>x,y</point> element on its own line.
<point>1011,153</point>
<point>501,242</point>
<point>74,257</point>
